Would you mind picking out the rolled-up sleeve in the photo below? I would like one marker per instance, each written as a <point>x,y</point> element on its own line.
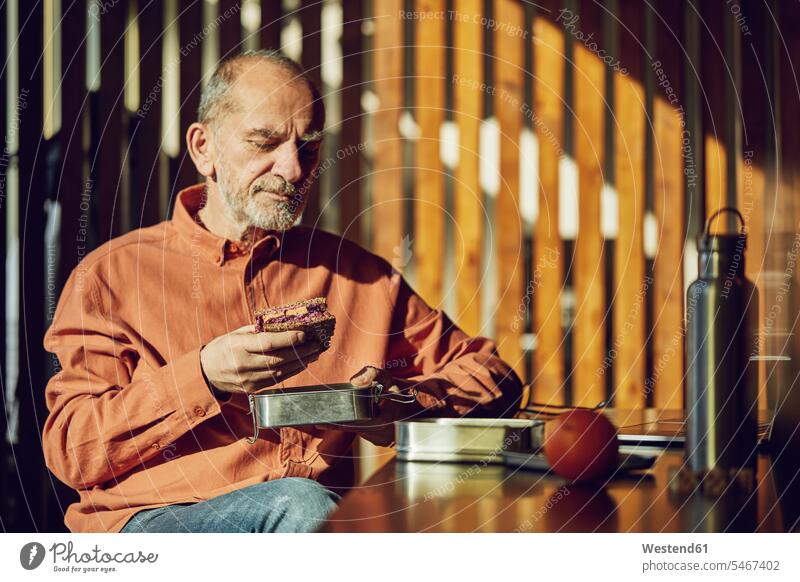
<point>454,374</point>
<point>102,422</point>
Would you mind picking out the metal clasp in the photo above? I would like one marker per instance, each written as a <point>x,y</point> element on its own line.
<point>401,397</point>
<point>252,400</point>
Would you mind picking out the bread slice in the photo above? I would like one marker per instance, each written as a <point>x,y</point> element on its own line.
<point>311,316</point>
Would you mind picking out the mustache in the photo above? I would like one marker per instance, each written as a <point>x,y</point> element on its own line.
<point>275,184</point>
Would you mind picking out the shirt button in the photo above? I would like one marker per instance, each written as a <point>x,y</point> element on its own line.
<point>234,248</point>
<point>199,411</point>
<point>156,446</point>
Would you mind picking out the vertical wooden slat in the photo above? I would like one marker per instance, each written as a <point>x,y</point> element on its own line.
<point>310,18</point>
<point>713,80</point>
<point>468,203</point>
<point>7,472</point>
<point>780,203</point>
<point>752,159</point>
<point>271,13</point>
<point>549,70</point>
<point>509,58</point>
<point>350,166</point>
<point>428,175</point>
<point>588,272</point>
<point>146,170</point>
<point>789,96</point>
<point>230,29</point>
<point>190,21</point>
<point>111,144</point>
<point>629,150</point>
<point>387,73</point>
<point>28,277</point>
<point>666,382</point>
<point>387,210</point>
<point>5,161</point>
<point>72,178</point>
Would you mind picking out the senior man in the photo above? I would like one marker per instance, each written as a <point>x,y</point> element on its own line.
<point>149,414</point>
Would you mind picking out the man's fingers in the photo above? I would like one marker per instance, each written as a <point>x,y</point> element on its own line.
<point>296,353</point>
<point>249,328</point>
<point>270,379</point>
<point>259,343</point>
<point>365,376</point>
<point>273,360</point>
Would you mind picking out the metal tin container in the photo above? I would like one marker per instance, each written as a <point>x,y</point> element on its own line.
<point>325,404</point>
<point>459,439</point>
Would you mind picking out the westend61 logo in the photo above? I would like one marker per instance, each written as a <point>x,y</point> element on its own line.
<point>66,559</point>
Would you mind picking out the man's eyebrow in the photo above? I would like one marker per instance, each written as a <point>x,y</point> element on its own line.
<point>266,133</point>
<point>313,136</point>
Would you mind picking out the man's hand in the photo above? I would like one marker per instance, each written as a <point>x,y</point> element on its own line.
<point>246,361</point>
<point>380,430</point>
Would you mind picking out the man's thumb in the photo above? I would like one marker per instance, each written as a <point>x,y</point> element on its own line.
<point>364,376</point>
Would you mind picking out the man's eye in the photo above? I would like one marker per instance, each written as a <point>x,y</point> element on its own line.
<point>266,146</point>
<point>308,150</point>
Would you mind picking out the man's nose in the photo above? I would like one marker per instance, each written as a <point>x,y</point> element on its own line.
<point>287,163</point>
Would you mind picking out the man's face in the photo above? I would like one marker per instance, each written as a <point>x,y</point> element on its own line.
<point>266,150</point>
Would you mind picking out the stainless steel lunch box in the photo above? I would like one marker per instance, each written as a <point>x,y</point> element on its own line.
<point>324,404</point>
<point>462,439</point>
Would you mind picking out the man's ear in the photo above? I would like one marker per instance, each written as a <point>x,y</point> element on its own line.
<point>199,145</point>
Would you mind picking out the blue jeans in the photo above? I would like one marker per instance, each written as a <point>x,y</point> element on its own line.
<point>292,504</point>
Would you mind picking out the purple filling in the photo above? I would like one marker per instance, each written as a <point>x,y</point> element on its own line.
<point>314,311</point>
<point>307,318</point>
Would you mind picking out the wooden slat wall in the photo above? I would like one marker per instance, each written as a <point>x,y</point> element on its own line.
<point>548,257</point>
<point>744,94</point>
<point>588,272</point>
<point>622,313</point>
<point>468,198</point>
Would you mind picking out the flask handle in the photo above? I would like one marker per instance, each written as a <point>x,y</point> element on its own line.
<point>720,211</point>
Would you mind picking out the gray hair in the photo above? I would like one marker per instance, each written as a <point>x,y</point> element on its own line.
<point>215,99</point>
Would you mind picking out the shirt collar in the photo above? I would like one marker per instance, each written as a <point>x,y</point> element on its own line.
<point>185,220</point>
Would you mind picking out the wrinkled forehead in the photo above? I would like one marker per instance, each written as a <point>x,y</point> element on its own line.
<point>267,95</point>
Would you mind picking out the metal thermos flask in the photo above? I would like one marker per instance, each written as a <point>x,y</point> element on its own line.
<point>721,336</point>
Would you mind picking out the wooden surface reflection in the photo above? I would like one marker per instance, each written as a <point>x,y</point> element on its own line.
<point>431,497</point>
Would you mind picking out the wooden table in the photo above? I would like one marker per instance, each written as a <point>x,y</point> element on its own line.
<point>442,497</point>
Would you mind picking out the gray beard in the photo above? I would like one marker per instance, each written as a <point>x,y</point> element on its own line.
<point>245,210</point>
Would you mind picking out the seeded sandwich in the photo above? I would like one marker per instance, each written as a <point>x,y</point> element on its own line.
<point>310,316</point>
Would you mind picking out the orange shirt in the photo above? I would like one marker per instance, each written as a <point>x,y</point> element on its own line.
<point>133,424</point>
